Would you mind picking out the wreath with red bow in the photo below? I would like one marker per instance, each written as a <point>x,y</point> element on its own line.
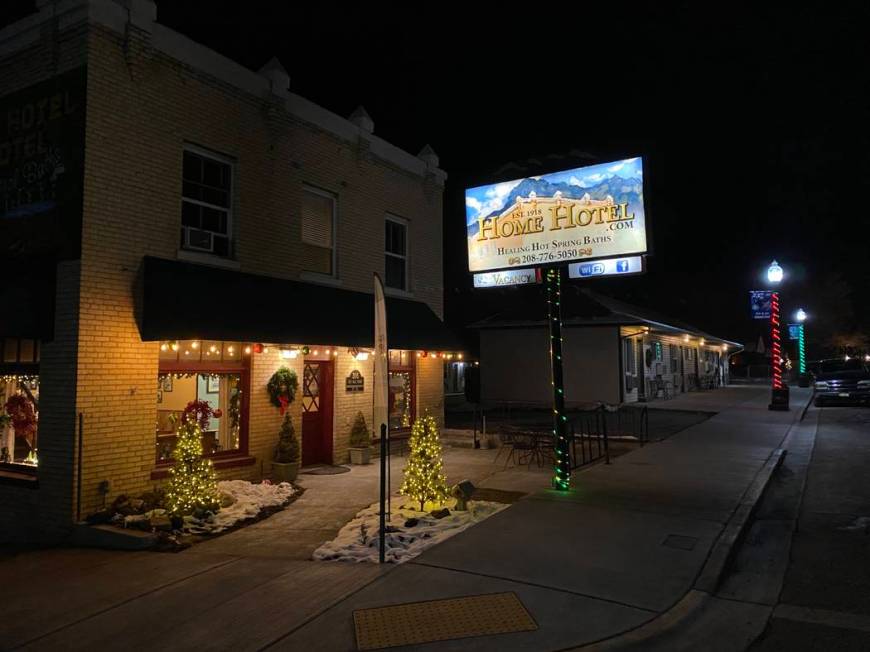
<point>199,411</point>
<point>282,388</point>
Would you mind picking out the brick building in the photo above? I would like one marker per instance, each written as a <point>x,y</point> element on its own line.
<point>177,227</point>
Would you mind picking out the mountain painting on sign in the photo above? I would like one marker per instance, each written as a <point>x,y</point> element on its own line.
<point>584,213</point>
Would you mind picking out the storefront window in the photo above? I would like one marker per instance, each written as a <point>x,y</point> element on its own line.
<point>212,371</point>
<point>222,392</point>
<point>19,419</point>
<point>401,390</point>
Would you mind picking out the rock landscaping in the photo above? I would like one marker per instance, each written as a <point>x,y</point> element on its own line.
<point>241,503</point>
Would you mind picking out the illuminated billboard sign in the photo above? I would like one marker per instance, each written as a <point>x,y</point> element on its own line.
<point>507,277</point>
<point>607,267</point>
<point>589,212</point>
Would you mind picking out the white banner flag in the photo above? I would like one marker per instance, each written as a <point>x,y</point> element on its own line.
<point>381,361</point>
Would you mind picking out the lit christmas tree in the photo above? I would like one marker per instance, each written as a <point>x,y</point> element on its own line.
<point>424,479</point>
<point>192,481</point>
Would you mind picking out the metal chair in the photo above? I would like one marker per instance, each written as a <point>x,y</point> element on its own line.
<point>507,445</point>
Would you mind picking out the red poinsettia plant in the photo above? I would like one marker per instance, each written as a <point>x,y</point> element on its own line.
<point>20,410</point>
<point>199,411</point>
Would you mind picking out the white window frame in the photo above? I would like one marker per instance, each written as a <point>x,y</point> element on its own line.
<point>401,221</point>
<point>221,158</point>
<point>306,187</point>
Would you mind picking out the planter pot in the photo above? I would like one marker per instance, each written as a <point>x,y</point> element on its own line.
<point>361,455</point>
<point>284,471</point>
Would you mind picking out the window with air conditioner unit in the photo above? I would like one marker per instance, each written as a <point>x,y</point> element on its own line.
<point>206,203</point>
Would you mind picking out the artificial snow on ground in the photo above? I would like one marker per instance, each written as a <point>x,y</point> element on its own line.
<point>249,500</point>
<point>358,540</point>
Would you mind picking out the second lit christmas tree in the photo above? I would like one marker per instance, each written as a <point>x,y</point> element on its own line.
<point>424,477</point>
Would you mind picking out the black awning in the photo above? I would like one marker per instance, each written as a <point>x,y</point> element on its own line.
<point>188,301</point>
<point>27,298</point>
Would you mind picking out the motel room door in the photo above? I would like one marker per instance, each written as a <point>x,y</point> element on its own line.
<point>317,390</point>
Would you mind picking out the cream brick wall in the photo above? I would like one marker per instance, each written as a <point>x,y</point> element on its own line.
<point>347,404</point>
<point>142,110</point>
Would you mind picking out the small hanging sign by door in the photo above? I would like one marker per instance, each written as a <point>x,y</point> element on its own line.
<point>355,382</point>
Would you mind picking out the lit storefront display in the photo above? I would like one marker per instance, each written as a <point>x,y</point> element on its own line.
<point>19,402</point>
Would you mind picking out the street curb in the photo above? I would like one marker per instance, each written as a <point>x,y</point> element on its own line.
<point>699,596</point>
<point>717,561</point>
<point>690,604</point>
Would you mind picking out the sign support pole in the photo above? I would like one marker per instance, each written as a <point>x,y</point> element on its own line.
<point>561,445</point>
<point>382,530</point>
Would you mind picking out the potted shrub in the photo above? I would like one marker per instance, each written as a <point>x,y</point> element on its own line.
<point>360,441</point>
<point>285,467</point>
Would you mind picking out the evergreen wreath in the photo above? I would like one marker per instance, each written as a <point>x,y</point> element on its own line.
<point>282,388</point>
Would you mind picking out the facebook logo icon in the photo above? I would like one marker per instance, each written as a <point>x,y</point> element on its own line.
<point>621,266</point>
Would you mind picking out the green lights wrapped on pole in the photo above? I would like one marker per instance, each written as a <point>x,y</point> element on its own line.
<point>802,356</point>
<point>562,475</point>
<point>801,316</point>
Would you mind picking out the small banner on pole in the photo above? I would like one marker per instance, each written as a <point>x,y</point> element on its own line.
<point>759,301</point>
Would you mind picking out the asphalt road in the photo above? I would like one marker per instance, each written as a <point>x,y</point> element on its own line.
<point>825,599</point>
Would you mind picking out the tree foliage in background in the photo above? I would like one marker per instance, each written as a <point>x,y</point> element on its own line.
<point>424,479</point>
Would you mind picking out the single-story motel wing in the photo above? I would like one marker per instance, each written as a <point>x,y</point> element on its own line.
<point>613,352</point>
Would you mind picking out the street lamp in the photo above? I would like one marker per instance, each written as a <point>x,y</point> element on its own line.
<point>803,380</point>
<point>774,273</point>
<point>779,390</point>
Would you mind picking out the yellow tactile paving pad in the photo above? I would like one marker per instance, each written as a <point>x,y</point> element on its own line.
<point>441,620</point>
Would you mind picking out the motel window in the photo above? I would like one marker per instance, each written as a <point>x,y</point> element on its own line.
<point>206,201</point>
<point>212,371</point>
<point>674,355</point>
<point>318,230</point>
<point>396,253</point>
<point>19,402</point>
<point>402,387</point>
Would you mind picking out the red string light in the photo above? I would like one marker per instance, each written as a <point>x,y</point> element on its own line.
<point>776,350</point>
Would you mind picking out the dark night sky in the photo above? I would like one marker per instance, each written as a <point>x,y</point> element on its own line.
<point>753,121</point>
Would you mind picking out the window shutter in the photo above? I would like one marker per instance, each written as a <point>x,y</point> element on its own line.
<point>317,218</point>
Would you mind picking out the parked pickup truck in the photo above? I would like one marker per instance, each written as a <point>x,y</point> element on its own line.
<point>842,380</point>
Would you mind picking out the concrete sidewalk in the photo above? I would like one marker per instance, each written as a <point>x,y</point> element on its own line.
<point>622,548</point>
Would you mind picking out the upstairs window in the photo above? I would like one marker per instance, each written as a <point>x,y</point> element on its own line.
<point>318,231</point>
<point>396,254</point>
<point>206,203</point>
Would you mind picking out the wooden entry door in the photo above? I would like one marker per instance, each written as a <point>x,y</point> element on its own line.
<point>317,389</point>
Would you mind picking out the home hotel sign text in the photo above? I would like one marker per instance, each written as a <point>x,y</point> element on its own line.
<point>584,213</point>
